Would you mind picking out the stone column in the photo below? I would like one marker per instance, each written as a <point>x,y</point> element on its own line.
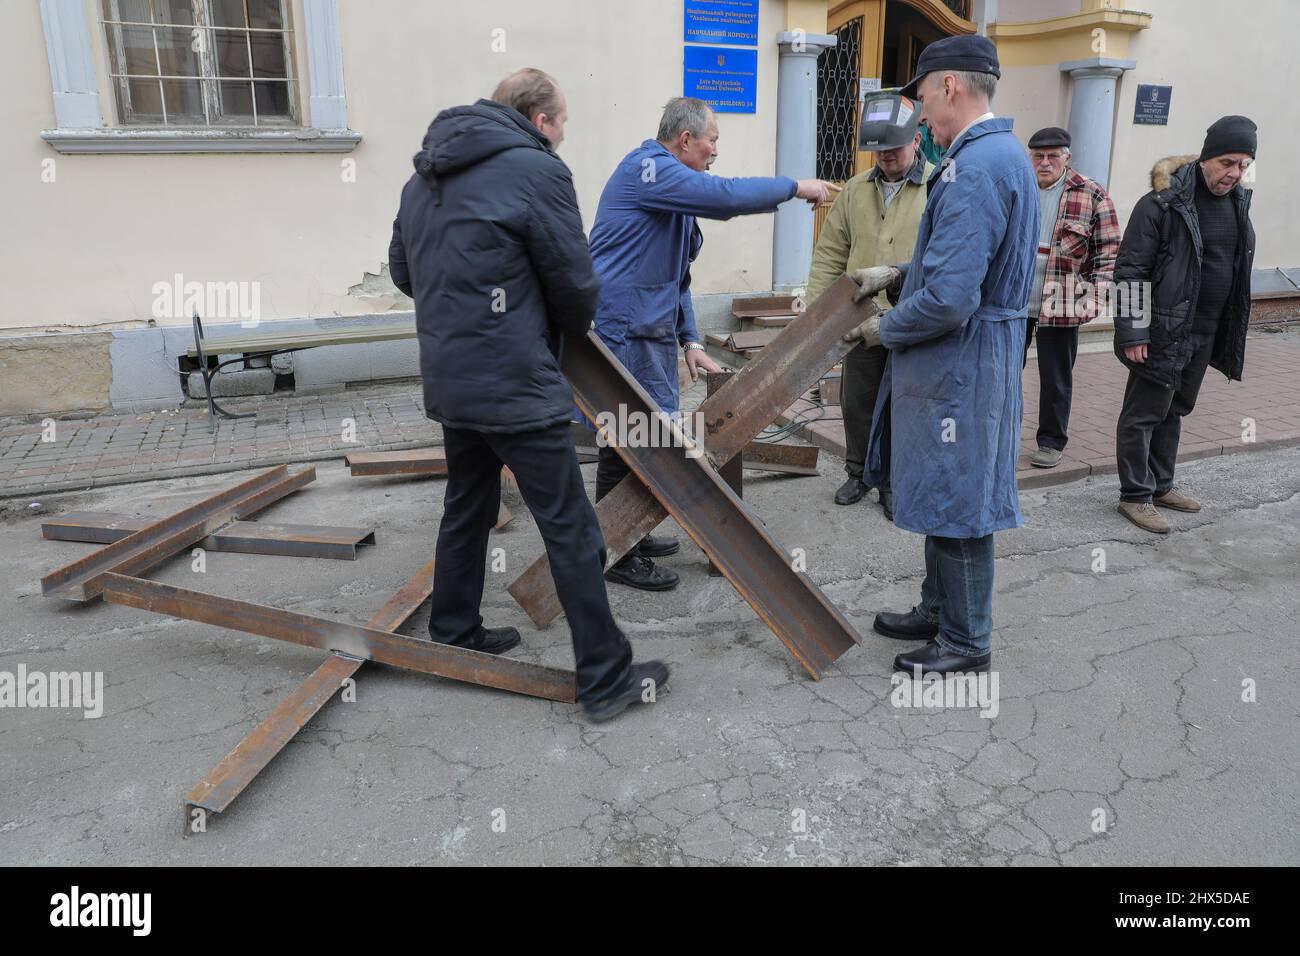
<point>796,152</point>
<point>1092,113</point>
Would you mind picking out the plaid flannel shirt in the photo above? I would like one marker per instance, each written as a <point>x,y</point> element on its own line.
<point>1079,282</point>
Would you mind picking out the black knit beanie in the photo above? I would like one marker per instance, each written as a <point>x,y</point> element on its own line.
<point>1230,134</point>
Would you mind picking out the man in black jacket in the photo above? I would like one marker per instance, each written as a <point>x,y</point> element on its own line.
<point>489,243</point>
<point>1191,239</point>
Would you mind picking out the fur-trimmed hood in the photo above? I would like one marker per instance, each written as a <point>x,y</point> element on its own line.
<point>1162,173</point>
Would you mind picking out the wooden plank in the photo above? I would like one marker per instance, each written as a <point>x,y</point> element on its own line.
<point>271,341</point>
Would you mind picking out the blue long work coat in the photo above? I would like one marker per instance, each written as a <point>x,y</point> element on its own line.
<point>642,245</point>
<point>957,336</point>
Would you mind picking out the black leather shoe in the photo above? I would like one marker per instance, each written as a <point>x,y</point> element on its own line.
<point>652,547</point>
<point>489,640</point>
<point>851,492</point>
<point>933,659</point>
<point>887,503</point>
<point>633,691</point>
<point>641,573</point>
<point>905,627</point>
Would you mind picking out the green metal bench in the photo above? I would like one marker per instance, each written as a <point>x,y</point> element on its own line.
<point>268,344</point>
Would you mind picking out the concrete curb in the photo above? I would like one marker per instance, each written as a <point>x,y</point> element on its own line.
<point>216,468</point>
<point>1065,473</point>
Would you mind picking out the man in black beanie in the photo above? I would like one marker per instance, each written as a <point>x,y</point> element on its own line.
<point>1193,316</point>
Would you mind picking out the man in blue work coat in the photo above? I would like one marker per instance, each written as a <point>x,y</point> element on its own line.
<point>642,245</point>
<point>956,338</point>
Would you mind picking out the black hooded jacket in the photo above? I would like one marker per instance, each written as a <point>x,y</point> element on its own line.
<point>1162,245</point>
<point>489,242</point>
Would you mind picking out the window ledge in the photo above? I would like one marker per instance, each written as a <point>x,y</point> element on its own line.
<point>142,140</point>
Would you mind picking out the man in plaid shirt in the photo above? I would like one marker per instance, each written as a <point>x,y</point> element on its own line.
<point>1077,244</point>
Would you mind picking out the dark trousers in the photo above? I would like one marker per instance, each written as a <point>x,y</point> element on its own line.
<point>1058,346</point>
<point>610,470</point>
<point>1150,422</point>
<point>957,593</point>
<point>859,385</point>
<point>545,466</point>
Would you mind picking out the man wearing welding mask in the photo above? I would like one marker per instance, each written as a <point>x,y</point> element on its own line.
<point>873,222</point>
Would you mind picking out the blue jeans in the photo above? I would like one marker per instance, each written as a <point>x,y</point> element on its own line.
<point>957,593</point>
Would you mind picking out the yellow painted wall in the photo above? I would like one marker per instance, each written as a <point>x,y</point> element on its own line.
<point>1218,58</point>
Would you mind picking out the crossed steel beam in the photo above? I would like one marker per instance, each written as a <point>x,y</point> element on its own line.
<point>111,573</point>
<point>668,481</point>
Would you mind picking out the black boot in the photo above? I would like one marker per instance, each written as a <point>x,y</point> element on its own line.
<point>851,492</point>
<point>653,547</point>
<point>641,573</point>
<point>633,690</point>
<point>905,627</point>
<point>887,502</point>
<point>489,640</point>
<point>933,659</point>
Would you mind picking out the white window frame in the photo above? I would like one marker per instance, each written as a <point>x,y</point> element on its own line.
<point>78,112</point>
<point>211,88</point>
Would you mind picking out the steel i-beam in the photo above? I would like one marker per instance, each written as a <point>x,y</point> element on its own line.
<point>743,407</point>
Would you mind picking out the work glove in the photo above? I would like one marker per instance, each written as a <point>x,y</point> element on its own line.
<point>868,333</point>
<point>872,280</point>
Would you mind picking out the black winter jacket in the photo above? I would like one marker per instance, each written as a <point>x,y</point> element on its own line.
<point>489,242</point>
<point>1162,245</point>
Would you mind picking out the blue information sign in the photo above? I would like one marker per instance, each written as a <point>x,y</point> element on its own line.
<point>725,79</point>
<point>733,22</point>
<point>1152,105</point>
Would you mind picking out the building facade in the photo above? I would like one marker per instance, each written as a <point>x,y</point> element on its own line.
<point>244,157</point>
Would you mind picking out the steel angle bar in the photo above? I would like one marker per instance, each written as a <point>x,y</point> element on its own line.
<point>241,537</point>
<point>143,549</point>
<point>788,459</point>
<point>352,640</point>
<point>219,788</point>
<point>745,405</point>
<point>787,600</point>
<point>416,461</point>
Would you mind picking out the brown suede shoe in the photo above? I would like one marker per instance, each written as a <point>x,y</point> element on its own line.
<point>1175,499</point>
<point>1144,515</point>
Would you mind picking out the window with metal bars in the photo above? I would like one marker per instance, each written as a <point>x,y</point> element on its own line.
<point>207,63</point>
<point>837,103</point>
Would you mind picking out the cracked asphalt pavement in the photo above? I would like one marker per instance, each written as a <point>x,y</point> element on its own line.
<point>1121,735</point>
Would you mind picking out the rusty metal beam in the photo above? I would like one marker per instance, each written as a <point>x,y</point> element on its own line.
<point>219,788</point>
<point>242,537</point>
<point>787,600</point>
<point>82,580</point>
<point>351,640</point>
<point>787,459</point>
<point>419,461</point>
<point>415,461</point>
<point>749,402</point>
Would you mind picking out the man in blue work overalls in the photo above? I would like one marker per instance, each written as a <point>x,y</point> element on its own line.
<point>642,245</point>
